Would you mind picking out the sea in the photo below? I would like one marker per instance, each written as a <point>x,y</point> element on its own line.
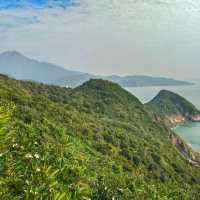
<point>190,132</point>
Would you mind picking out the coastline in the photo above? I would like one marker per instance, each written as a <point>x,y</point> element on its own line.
<point>189,131</point>
<point>185,148</point>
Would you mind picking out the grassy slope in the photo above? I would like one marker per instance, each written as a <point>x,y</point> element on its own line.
<point>96,141</point>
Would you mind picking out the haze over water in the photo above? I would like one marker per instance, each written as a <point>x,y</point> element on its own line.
<point>190,132</point>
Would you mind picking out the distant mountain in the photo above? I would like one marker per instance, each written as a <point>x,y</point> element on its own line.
<point>130,81</point>
<point>124,81</point>
<point>173,108</point>
<point>16,65</point>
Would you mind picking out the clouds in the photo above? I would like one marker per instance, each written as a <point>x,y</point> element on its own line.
<point>13,4</point>
<point>107,36</point>
<point>16,13</point>
<point>9,21</point>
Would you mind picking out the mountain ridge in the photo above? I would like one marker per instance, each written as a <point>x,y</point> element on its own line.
<point>21,67</point>
<point>124,81</point>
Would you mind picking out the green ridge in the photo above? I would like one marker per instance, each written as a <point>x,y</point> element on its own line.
<point>167,104</point>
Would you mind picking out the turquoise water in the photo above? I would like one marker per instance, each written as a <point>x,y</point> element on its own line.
<point>190,132</point>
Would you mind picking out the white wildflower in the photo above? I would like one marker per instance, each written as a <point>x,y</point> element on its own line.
<point>38,169</point>
<point>35,143</point>
<point>120,190</point>
<point>1,154</point>
<point>28,155</point>
<point>37,156</point>
<point>15,145</point>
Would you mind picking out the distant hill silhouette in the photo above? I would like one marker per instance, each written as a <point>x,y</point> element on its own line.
<point>18,66</point>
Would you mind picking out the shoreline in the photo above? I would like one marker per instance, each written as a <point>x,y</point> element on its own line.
<point>185,148</point>
<point>187,125</point>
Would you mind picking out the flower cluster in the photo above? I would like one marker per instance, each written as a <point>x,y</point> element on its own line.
<point>36,155</point>
<point>30,156</point>
<point>15,145</point>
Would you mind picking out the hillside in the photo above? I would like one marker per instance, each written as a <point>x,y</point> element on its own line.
<point>94,142</point>
<point>16,65</point>
<point>173,108</point>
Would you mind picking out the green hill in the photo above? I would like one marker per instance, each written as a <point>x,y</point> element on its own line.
<point>94,142</point>
<point>173,108</point>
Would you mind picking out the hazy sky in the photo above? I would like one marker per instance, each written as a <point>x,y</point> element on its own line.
<point>156,37</point>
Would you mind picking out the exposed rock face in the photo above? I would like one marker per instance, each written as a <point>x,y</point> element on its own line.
<point>186,150</point>
<point>196,118</point>
<point>174,120</point>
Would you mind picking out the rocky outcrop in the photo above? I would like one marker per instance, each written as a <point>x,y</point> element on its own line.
<point>186,151</point>
<point>174,120</point>
<point>196,118</point>
<point>184,148</point>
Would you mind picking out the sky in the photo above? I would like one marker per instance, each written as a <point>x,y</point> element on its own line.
<point>151,37</point>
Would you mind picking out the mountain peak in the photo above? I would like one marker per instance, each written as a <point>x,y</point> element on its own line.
<point>11,53</point>
<point>99,84</point>
<point>162,92</point>
<point>166,95</point>
<point>21,67</point>
<point>107,89</point>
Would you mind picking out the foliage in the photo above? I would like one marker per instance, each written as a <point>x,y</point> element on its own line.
<point>94,142</point>
<point>167,103</point>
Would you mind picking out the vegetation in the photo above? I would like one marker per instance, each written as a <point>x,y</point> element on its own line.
<point>94,142</point>
<point>167,104</point>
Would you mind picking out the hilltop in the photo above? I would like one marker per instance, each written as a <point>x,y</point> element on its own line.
<point>173,108</point>
<point>95,142</point>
